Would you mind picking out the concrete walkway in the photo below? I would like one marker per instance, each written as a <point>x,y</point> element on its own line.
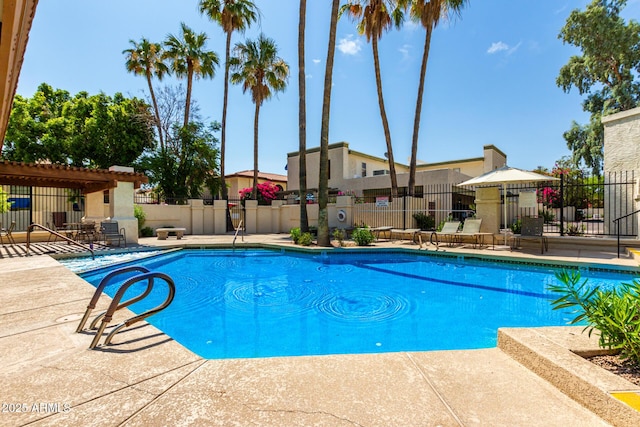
<point>49,377</point>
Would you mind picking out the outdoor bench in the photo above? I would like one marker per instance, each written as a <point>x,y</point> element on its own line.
<point>163,233</point>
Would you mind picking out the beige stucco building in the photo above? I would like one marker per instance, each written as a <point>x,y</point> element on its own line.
<point>357,172</point>
<point>244,179</point>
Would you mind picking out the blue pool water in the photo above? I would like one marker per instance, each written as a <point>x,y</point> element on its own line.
<point>262,303</point>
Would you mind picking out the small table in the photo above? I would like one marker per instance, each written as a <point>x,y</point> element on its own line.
<point>379,230</point>
<point>163,233</point>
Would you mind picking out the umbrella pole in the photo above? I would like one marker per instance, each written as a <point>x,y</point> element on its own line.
<point>504,189</point>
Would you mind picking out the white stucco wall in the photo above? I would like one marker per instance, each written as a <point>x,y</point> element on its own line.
<point>622,141</point>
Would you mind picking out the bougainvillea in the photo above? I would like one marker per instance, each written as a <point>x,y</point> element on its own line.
<point>266,191</point>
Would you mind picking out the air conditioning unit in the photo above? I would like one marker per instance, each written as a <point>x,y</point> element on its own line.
<point>381,172</point>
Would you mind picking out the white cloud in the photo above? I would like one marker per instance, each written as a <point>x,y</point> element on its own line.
<point>315,61</point>
<point>497,47</point>
<point>349,45</point>
<point>308,76</point>
<point>513,49</point>
<point>404,50</point>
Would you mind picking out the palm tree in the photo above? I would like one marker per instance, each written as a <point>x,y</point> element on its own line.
<point>232,15</point>
<point>376,16</point>
<point>428,13</point>
<point>261,71</point>
<point>302,120</point>
<point>145,58</point>
<point>323,185</point>
<point>188,58</point>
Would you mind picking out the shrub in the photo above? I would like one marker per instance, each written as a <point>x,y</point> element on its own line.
<point>305,239</point>
<point>424,221</point>
<point>516,227</point>
<point>575,230</point>
<point>138,212</point>
<point>338,235</point>
<point>548,216</point>
<point>614,312</point>
<point>295,234</point>
<point>363,236</point>
<point>146,232</point>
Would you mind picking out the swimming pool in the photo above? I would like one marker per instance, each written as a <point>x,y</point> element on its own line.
<point>263,303</point>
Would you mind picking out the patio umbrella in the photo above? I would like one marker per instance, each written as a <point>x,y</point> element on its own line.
<point>506,175</point>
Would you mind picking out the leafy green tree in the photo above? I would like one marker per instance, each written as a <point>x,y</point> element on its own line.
<point>373,18</point>
<point>428,13</point>
<point>606,72</point>
<point>92,131</point>
<point>188,162</point>
<point>323,184</point>
<point>189,59</point>
<point>257,66</point>
<point>232,16</point>
<point>146,59</point>
<point>5,205</point>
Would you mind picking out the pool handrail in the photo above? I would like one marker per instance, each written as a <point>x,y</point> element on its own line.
<point>118,296</point>
<point>55,233</point>
<point>238,228</point>
<point>103,283</point>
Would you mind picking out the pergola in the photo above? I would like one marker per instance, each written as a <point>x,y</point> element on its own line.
<point>61,176</point>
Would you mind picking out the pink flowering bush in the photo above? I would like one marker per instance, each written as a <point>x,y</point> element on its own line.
<point>266,192</point>
<point>549,197</point>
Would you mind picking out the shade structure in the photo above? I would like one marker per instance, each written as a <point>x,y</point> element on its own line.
<point>503,176</point>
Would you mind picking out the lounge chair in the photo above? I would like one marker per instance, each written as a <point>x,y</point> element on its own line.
<point>7,233</point>
<point>471,229</point>
<point>532,229</point>
<point>449,234</point>
<point>377,231</point>
<point>406,233</point>
<point>109,232</point>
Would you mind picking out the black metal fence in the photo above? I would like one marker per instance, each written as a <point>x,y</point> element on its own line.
<point>46,206</point>
<point>573,205</point>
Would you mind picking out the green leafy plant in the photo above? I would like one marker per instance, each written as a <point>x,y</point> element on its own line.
<point>516,227</point>
<point>424,221</point>
<point>5,205</point>
<point>141,216</point>
<point>363,236</point>
<point>575,230</point>
<point>146,232</point>
<point>548,216</point>
<point>338,235</point>
<point>295,234</point>
<point>614,312</point>
<point>305,239</point>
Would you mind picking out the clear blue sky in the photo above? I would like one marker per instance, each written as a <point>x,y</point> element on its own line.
<point>490,79</point>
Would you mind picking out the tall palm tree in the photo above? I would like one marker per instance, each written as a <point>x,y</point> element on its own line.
<point>302,120</point>
<point>257,66</point>
<point>373,17</point>
<point>189,58</point>
<point>231,15</point>
<point>428,13</point>
<point>323,185</point>
<point>145,59</point>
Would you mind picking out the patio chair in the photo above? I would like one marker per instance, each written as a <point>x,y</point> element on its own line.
<point>7,233</point>
<point>109,232</point>
<point>532,229</point>
<point>449,234</point>
<point>471,229</point>
<point>412,234</point>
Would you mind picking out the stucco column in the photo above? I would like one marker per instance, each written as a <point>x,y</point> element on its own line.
<point>219,217</point>
<point>251,216</point>
<point>121,206</point>
<point>276,213</point>
<point>197,216</point>
<point>343,203</point>
<point>488,208</point>
<point>94,207</point>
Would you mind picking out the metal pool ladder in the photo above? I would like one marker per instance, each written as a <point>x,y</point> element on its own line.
<point>116,305</point>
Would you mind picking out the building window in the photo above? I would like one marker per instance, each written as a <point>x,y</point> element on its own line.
<point>329,169</point>
<point>105,197</point>
<point>364,169</point>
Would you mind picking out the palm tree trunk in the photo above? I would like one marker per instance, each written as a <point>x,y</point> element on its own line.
<point>385,121</point>
<point>255,152</point>
<point>302,119</point>
<point>323,185</point>
<point>223,183</point>
<point>416,120</point>
<point>156,111</point>
<point>188,101</point>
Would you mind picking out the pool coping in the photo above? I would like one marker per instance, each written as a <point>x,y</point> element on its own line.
<point>557,354</point>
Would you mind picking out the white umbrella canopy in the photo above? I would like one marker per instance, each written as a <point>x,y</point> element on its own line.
<point>506,175</point>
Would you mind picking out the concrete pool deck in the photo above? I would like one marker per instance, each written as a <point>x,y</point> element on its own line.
<point>145,378</point>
